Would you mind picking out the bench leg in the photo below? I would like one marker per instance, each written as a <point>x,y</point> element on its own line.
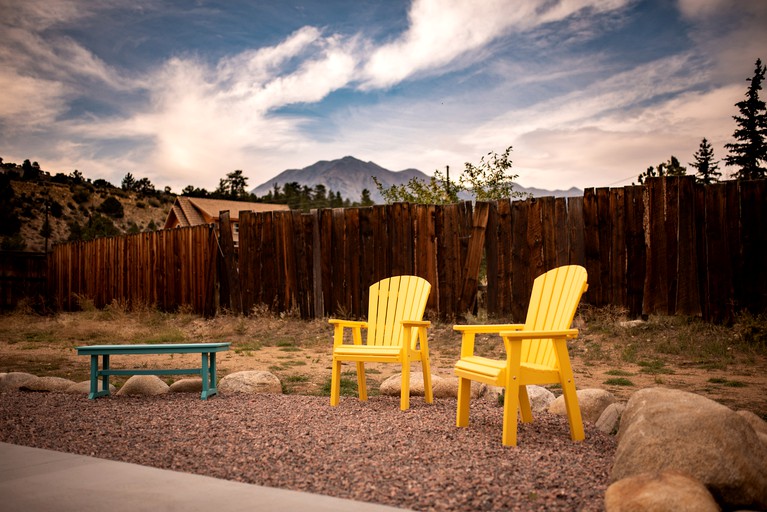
<point>95,393</point>
<point>208,372</point>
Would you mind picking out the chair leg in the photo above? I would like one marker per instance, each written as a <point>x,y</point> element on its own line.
<point>427,389</point>
<point>568,390</point>
<point>524,405</point>
<point>510,407</point>
<point>335,383</point>
<point>404,400</point>
<point>464,397</point>
<point>362,386</point>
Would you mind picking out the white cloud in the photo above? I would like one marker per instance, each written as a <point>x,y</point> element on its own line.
<point>442,31</point>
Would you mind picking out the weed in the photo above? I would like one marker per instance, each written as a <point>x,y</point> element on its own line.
<point>654,367</point>
<point>619,373</point>
<point>619,381</point>
<point>348,387</point>
<point>728,383</point>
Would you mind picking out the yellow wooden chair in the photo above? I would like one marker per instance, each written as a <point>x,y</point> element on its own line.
<point>536,353</point>
<point>396,333</point>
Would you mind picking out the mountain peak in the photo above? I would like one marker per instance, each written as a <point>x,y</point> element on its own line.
<point>349,176</point>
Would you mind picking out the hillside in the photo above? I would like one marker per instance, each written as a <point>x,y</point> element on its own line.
<point>349,176</point>
<point>70,203</point>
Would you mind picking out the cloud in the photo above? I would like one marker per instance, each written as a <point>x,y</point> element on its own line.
<point>440,32</point>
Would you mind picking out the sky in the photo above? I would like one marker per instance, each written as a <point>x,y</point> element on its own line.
<point>589,93</point>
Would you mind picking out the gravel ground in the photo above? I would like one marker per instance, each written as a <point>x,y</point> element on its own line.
<point>367,451</point>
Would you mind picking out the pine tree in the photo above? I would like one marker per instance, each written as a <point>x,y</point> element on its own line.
<point>708,168</point>
<point>750,152</point>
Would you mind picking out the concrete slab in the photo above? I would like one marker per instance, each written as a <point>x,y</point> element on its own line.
<point>35,479</point>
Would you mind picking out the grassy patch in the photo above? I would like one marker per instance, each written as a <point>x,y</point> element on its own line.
<point>619,381</point>
<point>727,382</point>
<point>654,367</point>
<point>619,373</point>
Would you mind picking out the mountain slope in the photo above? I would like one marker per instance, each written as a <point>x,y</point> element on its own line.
<point>349,176</point>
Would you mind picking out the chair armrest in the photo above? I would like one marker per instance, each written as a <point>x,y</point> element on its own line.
<point>416,323</point>
<point>338,330</point>
<point>538,335</point>
<point>421,325</point>
<point>488,329</point>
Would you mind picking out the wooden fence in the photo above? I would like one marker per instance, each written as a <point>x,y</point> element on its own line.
<point>22,277</point>
<point>169,269</point>
<point>668,247</point>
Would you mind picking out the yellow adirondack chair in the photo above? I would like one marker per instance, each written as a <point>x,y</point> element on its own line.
<point>536,353</point>
<point>396,333</point>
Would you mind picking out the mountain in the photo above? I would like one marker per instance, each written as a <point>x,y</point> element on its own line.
<point>349,176</point>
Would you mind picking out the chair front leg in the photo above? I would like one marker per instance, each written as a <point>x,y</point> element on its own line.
<point>568,390</point>
<point>404,400</point>
<point>335,382</point>
<point>512,389</point>
<point>464,397</point>
<point>425,366</point>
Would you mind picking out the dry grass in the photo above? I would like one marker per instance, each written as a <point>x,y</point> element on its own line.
<point>611,352</point>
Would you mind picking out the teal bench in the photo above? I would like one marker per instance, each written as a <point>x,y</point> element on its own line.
<point>207,371</point>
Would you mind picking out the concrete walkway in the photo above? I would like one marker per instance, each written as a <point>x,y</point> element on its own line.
<point>34,479</point>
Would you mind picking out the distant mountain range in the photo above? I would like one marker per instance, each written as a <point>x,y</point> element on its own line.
<point>349,176</point>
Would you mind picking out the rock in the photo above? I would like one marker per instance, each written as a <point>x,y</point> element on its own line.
<point>540,398</point>
<point>147,385</point>
<point>671,429</point>
<point>250,381</point>
<point>610,419</point>
<point>14,380</point>
<point>393,385</point>
<point>47,384</point>
<point>186,386</point>
<point>593,402</point>
<point>758,424</point>
<point>84,387</point>
<point>668,491</point>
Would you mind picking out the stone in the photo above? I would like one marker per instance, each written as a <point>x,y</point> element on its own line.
<point>250,381</point>
<point>47,384</point>
<point>186,386</point>
<point>147,385</point>
<point>667,491</point>
<point>758,424</point>
<point>668,429</point>
<point>610,419</point>
<point>14,380</point>
<point>393,385</point>
<point>592,402</point>
<point>540,398</point>
<point>84,387</point>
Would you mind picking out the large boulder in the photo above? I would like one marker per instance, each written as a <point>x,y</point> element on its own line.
<point>668,491</point>
<point>393,385</point>
<point>610,419</point>
<point>15,380</point>
<point>46,384</point>
<point>190,385</point>
<point>250,381</point>
<point>667,429</point>
<point>147,385</point>
<point>592,402</point>
<point>84,387</point>
<point>758,424</point>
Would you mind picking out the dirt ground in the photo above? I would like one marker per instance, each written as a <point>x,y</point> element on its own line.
<point>619,359</point>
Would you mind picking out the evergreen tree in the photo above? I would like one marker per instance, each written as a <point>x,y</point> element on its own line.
<point>670,168</point>
<point>708,168</point>
<point>749,153</point>
<point>233,186</point>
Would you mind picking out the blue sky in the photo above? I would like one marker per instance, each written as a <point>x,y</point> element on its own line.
<point>588,92</point>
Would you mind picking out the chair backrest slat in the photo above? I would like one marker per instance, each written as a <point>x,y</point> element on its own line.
<point>393,300</point>
<point>553,302</point>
